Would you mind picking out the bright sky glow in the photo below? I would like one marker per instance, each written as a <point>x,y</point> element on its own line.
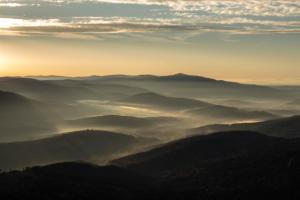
<point>242,39</point>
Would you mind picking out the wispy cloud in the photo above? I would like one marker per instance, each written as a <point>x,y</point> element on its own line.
<point>80,17</point>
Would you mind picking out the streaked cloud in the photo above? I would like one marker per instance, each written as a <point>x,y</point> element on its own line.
<point>115,16</point>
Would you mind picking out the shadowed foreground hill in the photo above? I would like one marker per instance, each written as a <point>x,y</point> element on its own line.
<point>73,181</point>
<point>228,165</point>
<point>232,165</point>
<point>94,146</point>
<point>22,118</point>
<point>284,127</point>
<point>184,155</point>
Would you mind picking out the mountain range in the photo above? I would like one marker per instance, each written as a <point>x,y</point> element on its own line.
<point>183,85</point>
<point>147,137</point>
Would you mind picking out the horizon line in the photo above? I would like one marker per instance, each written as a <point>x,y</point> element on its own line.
<point>265,81</point>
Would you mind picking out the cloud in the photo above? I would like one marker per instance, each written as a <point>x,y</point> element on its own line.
<point>232,16</point>
<point>223,7</point>
<point>118,25</point>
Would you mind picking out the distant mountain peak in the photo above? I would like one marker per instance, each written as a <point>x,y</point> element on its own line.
<point>185,77</point>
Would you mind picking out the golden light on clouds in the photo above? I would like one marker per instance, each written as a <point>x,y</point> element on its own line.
<point>222,39</point>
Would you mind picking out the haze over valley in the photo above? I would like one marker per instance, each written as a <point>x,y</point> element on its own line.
<point>47,115</point>
<point>149,99</point>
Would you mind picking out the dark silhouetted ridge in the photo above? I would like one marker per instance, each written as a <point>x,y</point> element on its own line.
<point>73,181</point>
<point>186,154</point>
<point>185,77</point>
<point>227,165</point>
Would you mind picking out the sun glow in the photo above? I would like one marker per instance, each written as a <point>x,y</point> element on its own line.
<point>7,22</point>
<point>2,63</point>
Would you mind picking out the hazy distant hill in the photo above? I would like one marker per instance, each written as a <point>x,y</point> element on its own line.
<point>164,102</point>
<point>295,102</point>
<point>181,85</point>
<point>283,127</point>
<point>22,118</point>
<point>295,89</point>
<point>43,90</point>
<point>119,86</point>
<point>163,128</point>
<point>129,122</point>
<point>50,77</point>
<point>96,146</point>
<point>147,77</point>
<point>184,85</point>
<point>194,107</point>
<point>107,90</point>
<point>239,103</point>
<point>67,90</point>
<point>226,112</point>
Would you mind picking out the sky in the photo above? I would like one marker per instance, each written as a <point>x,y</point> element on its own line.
<point>245,40</point>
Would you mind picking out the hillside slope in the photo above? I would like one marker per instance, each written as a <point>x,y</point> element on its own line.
<point>223,166</point>
<point>22,118</point>
<point>283,127</point>
<point>93,146</point>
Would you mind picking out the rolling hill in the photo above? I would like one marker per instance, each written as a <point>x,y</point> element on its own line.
<point>164,102</point>
<point>183,155</point>
<point>119,121</point>
<point>284,127</point>
<point>193,107</point>
<point>22,118</point>
<point>184,85</point>
<point>162,128</point>
<point>67,90</point>
<point>222,166</point>
<point>94,146</point>
<point>230,113</point>
<point>42,90</point>
<point>106,89</point>
<point>295,103</point>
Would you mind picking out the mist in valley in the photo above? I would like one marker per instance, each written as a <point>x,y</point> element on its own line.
<point>130,134</point>
<point>149,99</point>
<point>46,115</point>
